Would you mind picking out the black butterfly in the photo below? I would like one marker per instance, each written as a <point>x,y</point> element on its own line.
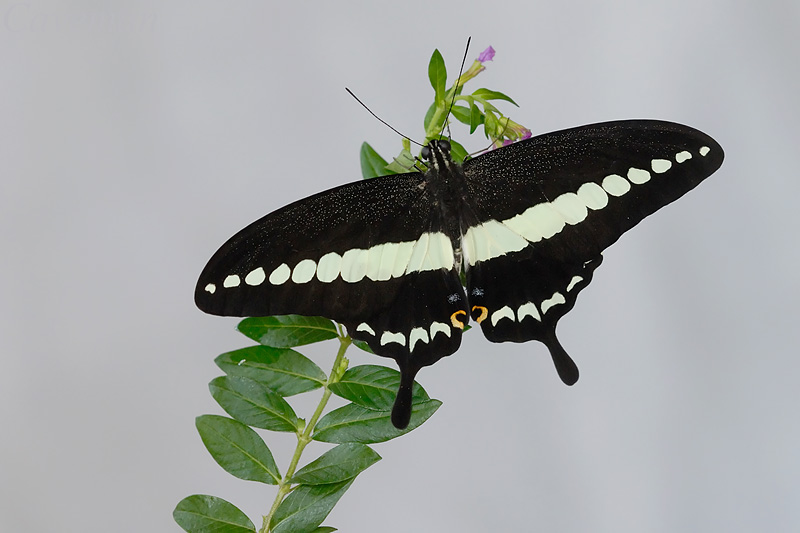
<point>525,223</point>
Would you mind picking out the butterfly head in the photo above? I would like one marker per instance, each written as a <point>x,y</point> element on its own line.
<point>437,153</point>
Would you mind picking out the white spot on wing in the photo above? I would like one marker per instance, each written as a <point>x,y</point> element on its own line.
<point>503,312</point>
<point>255,277</point>
<point>528,309</point>
<point>388,337</point>
<point>571,208</point>
<point>574,281</point>
<point>418,254</point>
<point>491,239</point>
<point>638,175</point>
<point>401,259</point>
<point>374,255</point>
<point>593,196</point>
<point>231,281</point>
<point>304,271</point>
<point>437,327</point>
<point>440,253</point>
<point>417,334</point>
<point>365,328</point>
<point>386,263</point>
<point>556,299</point>
<point>432,251</point>
<point>704,150</point>
<point>210,288</point>
<point>280,274</point>
<point>660,166</point>
<point>680,157</point>
<point>616,185</point>
<point>329,267</point>
<point>354,265</point>
<point>536,223</point>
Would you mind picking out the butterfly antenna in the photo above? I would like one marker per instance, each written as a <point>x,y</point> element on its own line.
<point>455,90</point>
<point>380,119</point>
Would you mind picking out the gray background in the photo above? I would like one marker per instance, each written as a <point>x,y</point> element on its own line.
<point>130,150</point>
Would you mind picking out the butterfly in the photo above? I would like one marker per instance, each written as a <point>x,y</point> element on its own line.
<point>507,239</point>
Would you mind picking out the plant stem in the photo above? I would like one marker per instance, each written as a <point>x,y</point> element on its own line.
<point>285,486</point>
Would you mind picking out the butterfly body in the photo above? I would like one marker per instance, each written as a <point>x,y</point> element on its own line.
<point>526,225</point>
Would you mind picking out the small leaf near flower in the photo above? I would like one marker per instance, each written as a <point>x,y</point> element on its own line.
<point>488,94</point>
<point>372,164</point>
<point>437,74</point>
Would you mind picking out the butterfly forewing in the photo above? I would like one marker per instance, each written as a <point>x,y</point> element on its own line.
<point>290,260</point>
<point>602,179</point>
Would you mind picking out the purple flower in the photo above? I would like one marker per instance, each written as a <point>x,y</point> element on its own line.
<point>511,133</point>
<point>476,67</point>
<point>486,55</point>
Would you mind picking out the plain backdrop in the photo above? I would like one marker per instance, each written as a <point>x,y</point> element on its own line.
<point>136,138</point>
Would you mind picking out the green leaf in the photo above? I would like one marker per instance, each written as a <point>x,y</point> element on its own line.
<point>253,403</point>
<point>429,116</point>
<point>306,507</point>
<point>491,126</point>
<point>372,164</point>
<point>363,346</point>
<point>404,162</point>
<point>437,73</point>
<point>374,387</point>
<point>353,423</point>
<point>325,529</point>
<point>461,113</point>
<point>457,151</point>
<point>287,331</point>
<point>285,371</point>
<point>475,117</point>
<point>201,513</point>
<point>487,94</point>
<point>341,463</point>
<point>237,449</point>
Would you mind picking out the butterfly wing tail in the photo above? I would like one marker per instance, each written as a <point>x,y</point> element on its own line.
<point>565,366</point>
<point>401,410</point>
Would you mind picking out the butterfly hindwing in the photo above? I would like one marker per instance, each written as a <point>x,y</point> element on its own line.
<point>544,209</point>
<point>422,323</point>
<point>510,308</point>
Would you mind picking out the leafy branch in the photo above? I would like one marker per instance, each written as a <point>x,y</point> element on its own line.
<point>258,379</point>
<point>253,390</point>
<point>478,111</point>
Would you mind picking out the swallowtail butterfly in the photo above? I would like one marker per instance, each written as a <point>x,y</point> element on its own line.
<point>526,225</point>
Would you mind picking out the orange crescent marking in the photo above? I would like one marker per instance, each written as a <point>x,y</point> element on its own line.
<point>483,315</point>
<point>455,321</point>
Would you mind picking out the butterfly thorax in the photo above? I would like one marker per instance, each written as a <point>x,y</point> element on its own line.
<point>446,182</point>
